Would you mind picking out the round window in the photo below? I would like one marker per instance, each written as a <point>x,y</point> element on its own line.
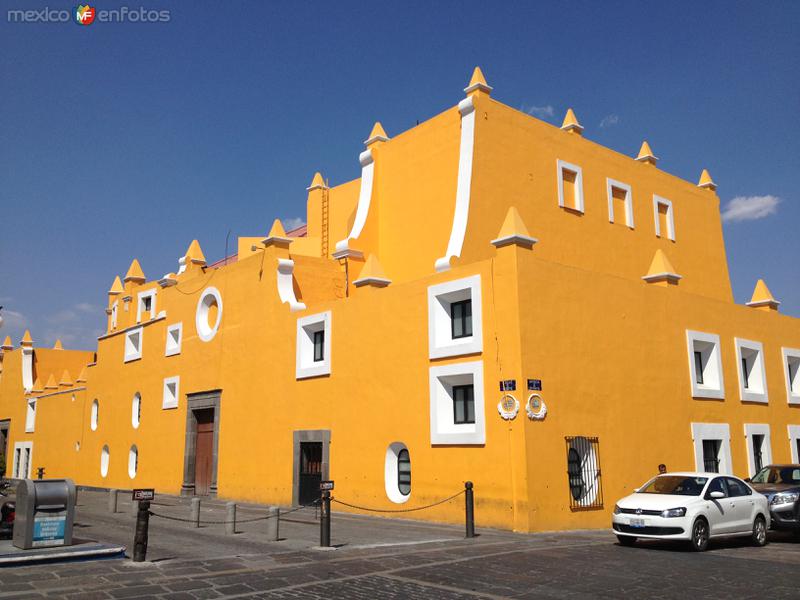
<point>208,314</point>
<point>136,410</point>
<point>133,461</point>
<point>104,458</point>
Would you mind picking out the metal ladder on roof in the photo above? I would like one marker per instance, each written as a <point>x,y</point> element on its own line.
<point>325,223</point>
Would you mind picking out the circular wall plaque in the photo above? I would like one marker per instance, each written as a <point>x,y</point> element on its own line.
<point>508,407</point>
<point>535,407</point>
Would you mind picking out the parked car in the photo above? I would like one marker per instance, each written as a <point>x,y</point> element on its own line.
<point>781,485</point>
<point>694,507</point>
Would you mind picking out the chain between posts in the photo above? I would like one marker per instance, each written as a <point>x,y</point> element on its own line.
<point>397,510</point>
<point>237,521</point>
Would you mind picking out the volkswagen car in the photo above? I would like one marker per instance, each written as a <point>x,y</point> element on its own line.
<point>695,507</point>
<point>781,485</point>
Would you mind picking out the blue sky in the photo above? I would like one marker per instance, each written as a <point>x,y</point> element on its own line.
<point>122,140</point>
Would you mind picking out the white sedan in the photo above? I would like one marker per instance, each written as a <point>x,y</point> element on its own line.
<point>694,507</point>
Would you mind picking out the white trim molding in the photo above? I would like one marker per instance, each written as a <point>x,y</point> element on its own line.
<point>285,281</point>
<point>306,366</point>
<point>791,374</point>
<point>364,200</point>
<point>444,429</point>
<point>708,345</point>
<point>611,185</point>
<point>134,342</point>
<point>27,368</point>
<point>794,442</point>
<point>713,431</point>
<point>441,297</point>
<point>174,339</point>
<point>19,455</point>
<point>140,299</point>
<point>458,230</point>
<point>659,201</point>
<point>172,392</point>
<point>754,373</point>
<point>30,415</point>
<point>205,330</point>
<point>577,203</point>
<point>751,429</point>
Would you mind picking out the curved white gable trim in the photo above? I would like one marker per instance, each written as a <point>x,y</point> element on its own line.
<point>364,199</point>
<point>27,368</point>
<point>286,285</point>
<point>459,229</point>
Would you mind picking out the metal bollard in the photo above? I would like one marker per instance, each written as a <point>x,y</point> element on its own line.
<point>135,507</point>
<point>470,509</point>
<point>112,500</point>
<point>325,520</point>
<point>140,537</point>
<point>230,519</point>
<point>273,523</point>
<point>196,512</point>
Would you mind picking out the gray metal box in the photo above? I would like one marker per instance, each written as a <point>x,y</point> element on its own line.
<point>45,512</point>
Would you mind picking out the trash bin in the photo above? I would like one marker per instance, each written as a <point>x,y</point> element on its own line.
<point>45,511</point>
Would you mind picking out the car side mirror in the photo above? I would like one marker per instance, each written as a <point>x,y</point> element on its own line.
<point>716,495</point>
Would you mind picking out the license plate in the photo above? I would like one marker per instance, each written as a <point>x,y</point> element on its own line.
<point>637,523</point>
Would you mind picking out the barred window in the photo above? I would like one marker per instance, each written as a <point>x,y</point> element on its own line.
<point>404,472</point>
<point>583,473</point>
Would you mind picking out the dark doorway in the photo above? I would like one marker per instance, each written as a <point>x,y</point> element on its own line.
<point>310,473</point>
<point>4,426</point>
<point>204,448</point>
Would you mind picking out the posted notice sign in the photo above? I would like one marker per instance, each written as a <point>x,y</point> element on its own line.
<point>325,485</point>
<point>144,494</point>
<point>48,529</point>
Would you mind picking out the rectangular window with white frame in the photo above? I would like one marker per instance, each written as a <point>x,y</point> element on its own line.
<point>454,318</point>
<point>30,416</point>
<point>171,392</point>
<point>114,313</point>
<point>712,448</point>
<point>705,365</point>
<point>791,371</point>
<point>620,202</point>
<point>794,442</point>
<point>664,217</point>
<point>752,375</point>
<point>23,455</point>
<point>146,305</point>
<point>313,352</point>
<point>456,404</point>
<point>759,446</point>
<point>570,186</point>
<point>174,339</point>
<point>133,344</point>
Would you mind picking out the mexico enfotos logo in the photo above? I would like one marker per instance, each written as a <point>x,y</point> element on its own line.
<point>85,14</point>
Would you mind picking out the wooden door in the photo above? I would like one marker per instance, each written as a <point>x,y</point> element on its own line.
<point>310,471</point>
<point>204,456</point>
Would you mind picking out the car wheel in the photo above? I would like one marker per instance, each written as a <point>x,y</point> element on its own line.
<point>626,540</point>
<point>700,533</point>
<point>759,531</point>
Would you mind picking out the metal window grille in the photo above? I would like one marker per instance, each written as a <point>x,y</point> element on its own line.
<point>583,473</point>
<point>404,472</point>
<point>711,456</point>
<point>319,345</point>
<point>463,404</point>
<point>698,366</point>
<point>461,319</point>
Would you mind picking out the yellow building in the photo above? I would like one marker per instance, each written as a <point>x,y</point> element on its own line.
<point>482,250</point>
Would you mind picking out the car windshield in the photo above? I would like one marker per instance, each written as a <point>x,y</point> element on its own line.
<point>790,475</point>
<point>677,485</point>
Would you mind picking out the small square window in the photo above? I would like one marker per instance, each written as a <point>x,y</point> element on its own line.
<point>620,202</point>
<point>791,367</point>
<point>133,344</point>
<point>319,345</point>
<point>570,186</point>
<point>461,319</point>
<point>171,392</point>
<point>456,404</point>
<point>759,447</point>
<point>664,217</point>
<point>146,308</point>
<point>705,365</point>
<point>30,417</point>
<point>463,404</point>
<point>174,339</point>
<point>313,353</point>
<point>752,378</point>
<point>452,330</point>
<point>712,447</point>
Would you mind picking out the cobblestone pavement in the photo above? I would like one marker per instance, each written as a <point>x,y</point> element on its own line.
<point>438,565</point>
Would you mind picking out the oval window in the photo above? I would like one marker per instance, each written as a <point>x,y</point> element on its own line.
<point>397,473</point>
<point>136,410</point>
<point>95,415</point>
<point>208,314</point>
<point>133,461</point>
<point>104,458</point>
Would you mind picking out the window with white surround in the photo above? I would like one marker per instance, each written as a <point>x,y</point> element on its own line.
<point>174,339</point>
<point>114,312</point>
<point>105,457</point>
<point>94,415</point>
<point>454,318</point>
<point>30,416</point>
<point>23,451</point>
<point>712,447</point>
<point>620,202</point>
<point>794,442</point>
<point>570,186</point>
<point>664,217</point>
<point>136,410</point>
<point>133,344</point>
<point>705,365</point>
<point>447,386</point>
<point>759,447</point>
<point>133,461</point>
<point>171,392</point>
<point>750,365</point>
<point>397,473</point>
<point>146,306</point>
<point>313,353</point>
<point>208,314</point>
<point>791,370</point>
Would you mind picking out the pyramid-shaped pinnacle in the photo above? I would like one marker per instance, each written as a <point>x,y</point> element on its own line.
<point>57,345</point>
<point>66,380</point>
<point>82,376</point>
<point>661,270</point>
<point>116,287</point>
<point>37,385</point>
<point>51,383</point>
<point>277,236</point>
<point>277,229</point>
<point>762,297</point>
<point>135,273</point>
<point>514,231</point>
<point>26,340</point>
<point>317,183</point>
<point>706,181</point>
<point>646,154</point>
<point>195,254</point>
<point>7,345</point>
<point>376,135</point>
<point>372,274</point>
<point>478,83</point>
<point>571,123</point>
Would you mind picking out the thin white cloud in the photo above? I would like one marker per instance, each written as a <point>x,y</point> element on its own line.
<point>14,320</point>
<point>609,121</point>
<point>750,208</point>
<point>541,112</point>
<point>292,223</point>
